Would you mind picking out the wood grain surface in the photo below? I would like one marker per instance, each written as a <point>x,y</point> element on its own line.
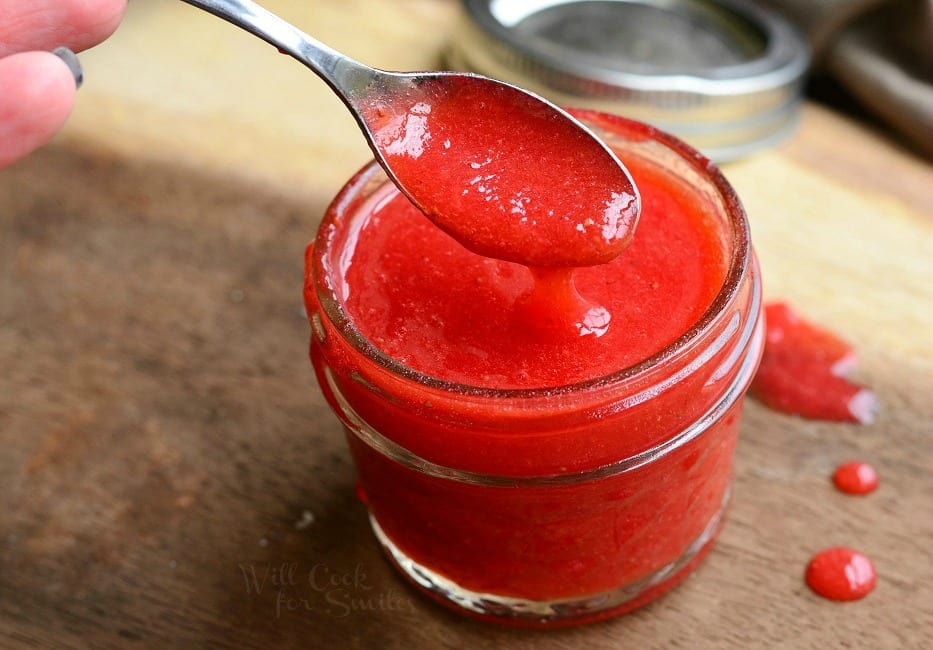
<point>170,475</point>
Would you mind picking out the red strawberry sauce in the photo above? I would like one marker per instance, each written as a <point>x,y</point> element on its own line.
<point>526,394</point>
<point>841,573</point>
<point>803,371</point>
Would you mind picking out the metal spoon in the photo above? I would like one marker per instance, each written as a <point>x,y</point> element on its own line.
<point>374,96</point>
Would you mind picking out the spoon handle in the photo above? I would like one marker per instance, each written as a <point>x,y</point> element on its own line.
<point>347,77</point>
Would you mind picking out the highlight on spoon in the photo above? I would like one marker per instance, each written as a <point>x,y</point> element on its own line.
<point>504,172</point>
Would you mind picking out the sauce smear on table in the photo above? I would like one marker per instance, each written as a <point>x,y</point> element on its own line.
<point>803,372</point>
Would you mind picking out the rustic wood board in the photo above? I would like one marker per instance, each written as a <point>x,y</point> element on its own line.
<point>162,437</point>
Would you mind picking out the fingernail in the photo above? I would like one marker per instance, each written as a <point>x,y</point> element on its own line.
<point>71,60</point>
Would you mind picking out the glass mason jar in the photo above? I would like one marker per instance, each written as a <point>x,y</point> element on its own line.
<point>545,507</point>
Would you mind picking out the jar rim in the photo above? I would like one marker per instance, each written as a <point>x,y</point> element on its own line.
<point>735,274</point>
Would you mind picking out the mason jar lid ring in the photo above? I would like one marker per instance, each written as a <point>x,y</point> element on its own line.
<point>726,75</point>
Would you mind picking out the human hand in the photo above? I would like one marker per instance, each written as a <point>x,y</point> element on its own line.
<point>37,89</point>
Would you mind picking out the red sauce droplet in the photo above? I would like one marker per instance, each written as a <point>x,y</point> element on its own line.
<point>856,478</point>
<point>803,372</point>
<point>841,574</point>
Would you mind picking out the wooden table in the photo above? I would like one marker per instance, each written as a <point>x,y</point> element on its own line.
<point>170,475</point>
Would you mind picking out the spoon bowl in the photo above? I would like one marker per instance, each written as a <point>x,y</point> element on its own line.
<point>502,170</point>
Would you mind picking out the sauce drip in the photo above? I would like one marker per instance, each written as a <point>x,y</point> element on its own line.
<point>508,178</point>
<point>856,478</point>
<point>841,573</point>
<point>554,309</point>
<point>803,372</point>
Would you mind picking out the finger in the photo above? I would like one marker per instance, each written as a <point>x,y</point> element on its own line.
<point>43,24</point>
<point>37,91</point>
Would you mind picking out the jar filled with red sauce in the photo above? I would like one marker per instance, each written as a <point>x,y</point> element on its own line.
<point>525,477</point>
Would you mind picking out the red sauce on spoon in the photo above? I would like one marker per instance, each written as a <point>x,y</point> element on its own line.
<point>509,178</point>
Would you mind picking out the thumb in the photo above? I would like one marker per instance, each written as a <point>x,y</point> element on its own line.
<point>37,91</point>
